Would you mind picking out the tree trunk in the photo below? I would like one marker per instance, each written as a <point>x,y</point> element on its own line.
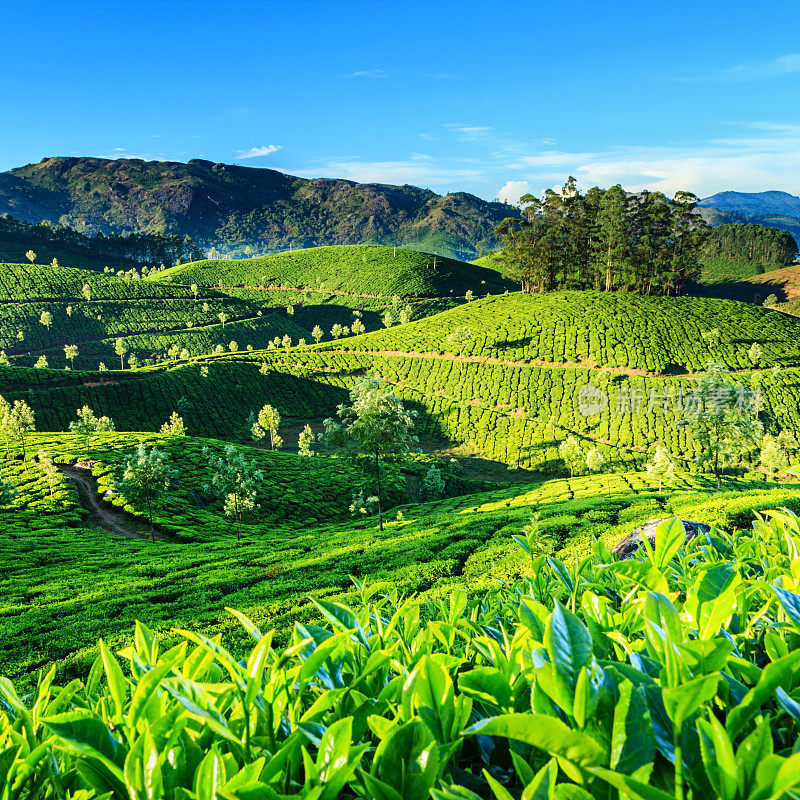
<point>236,514</point>
<point>150,517</point>
<point>380,499</point>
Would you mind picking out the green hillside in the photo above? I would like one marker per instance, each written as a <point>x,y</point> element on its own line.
<point>92,311</point>
<point>514,395</point>
<point>663,335</point>
<point>233,207</point>
<point>90,583</point>
<point>358,269</point>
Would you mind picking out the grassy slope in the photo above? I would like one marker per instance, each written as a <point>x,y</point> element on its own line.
<point>515,409</point>
<point>67,582</point>
<point>150,315</point>
<point>615,330</point>
<point>358,269</point>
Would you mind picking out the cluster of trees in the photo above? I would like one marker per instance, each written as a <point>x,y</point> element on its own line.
<point>758,244</point>
<point>605,239</point>
<point>61,240</point>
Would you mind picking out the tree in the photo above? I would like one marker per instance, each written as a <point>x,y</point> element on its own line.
<point>433,484</point>
<point>133,362</point>
<point>595,460</point>
<point>458,340</point>
<point>571,454</point>
<point>771,301</point>
<point>46,319</point>
<point>48,469</point>
<point>336,330</point>
<point>304,442</point>
<point>31,256</point>
<point>357,327</point>
<point>121,349</point>
<point>236,480</point>
<point>146,476</point>
<point>712,337</point>
<point>194,290</point>
<point>8,491</point>
<point>222,317</point>
<point>233,345</point>
<point>268,422</point>
<point>661,468</point>
<point>286,341</point>
<point>317,333</point>
<point>41,362</point>
<point>755,353</point>
<point>71,352</point>
<point>773,456</point>
<point>388,320</point>
<point>185,355</point>
<point>721,421</point>
<point>87,425</point>
<point>374,425</point>
<point>21,422</point>
<point>86,290</point>
<point>173,426</point>
<point>173,351</point>
<point>290,310</point>
<point>6,423</point>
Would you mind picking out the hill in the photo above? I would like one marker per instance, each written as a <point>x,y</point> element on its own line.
<point>44,308</point>
<point>233,207</point>
<point>614,330</point>
<point>772,209</point>
<point>89,580</point>
<point>517,391</point>
<point>369,270</point>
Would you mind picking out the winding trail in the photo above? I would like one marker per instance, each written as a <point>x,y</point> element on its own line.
<point>107,517</point>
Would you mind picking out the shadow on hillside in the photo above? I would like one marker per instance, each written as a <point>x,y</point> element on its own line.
<point>744,291</point>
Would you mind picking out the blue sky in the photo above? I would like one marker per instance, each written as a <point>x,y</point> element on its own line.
<point>492,98</point>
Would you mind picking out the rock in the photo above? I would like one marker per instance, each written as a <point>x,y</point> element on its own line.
<point>629,545</point>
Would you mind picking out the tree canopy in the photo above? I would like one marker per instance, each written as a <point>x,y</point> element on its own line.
<point>605,239</point>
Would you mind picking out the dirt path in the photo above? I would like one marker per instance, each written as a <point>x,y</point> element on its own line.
<point>107,517</point>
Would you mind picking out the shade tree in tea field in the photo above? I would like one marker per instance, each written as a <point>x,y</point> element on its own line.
<point>146,476</point>
<point>237,480</point>
<point>88,425</point>
<point>373,425</point>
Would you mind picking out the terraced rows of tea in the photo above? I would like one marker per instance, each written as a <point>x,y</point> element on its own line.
<point>371,270</point>
<point>603,329</point>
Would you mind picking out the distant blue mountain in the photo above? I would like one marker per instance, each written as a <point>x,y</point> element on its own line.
<point>773,209</point>
<point>762,203</point>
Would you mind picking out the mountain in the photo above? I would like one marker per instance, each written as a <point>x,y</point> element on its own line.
<point>233,207</point>
<point>773,209</point>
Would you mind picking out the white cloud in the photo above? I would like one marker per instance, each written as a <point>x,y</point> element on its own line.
<point>778,67</point>
<point>369,73</point>
<point>419,170</point>
<point>511,191</point>
<point>258,152</point>
<point>469,133</point>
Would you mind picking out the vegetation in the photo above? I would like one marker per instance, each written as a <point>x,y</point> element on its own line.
<point>71,248</point>
<point>606,239</point>
<point>240,209</point>
<point>355,269</point>
<point>770,248</point>
<point>457,706</point>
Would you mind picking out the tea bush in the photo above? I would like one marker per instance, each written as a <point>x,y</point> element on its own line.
<point>673,675</point>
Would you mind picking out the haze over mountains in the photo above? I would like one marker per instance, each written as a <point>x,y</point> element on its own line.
<point>773,209</point>
<point>231,207</point>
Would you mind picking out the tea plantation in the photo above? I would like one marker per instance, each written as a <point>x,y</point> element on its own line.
<point>276,641</point>
<point>355,269</point>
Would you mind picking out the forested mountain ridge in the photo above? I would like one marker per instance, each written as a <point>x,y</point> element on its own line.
<point>241,210</point>
<point>773,209</point>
